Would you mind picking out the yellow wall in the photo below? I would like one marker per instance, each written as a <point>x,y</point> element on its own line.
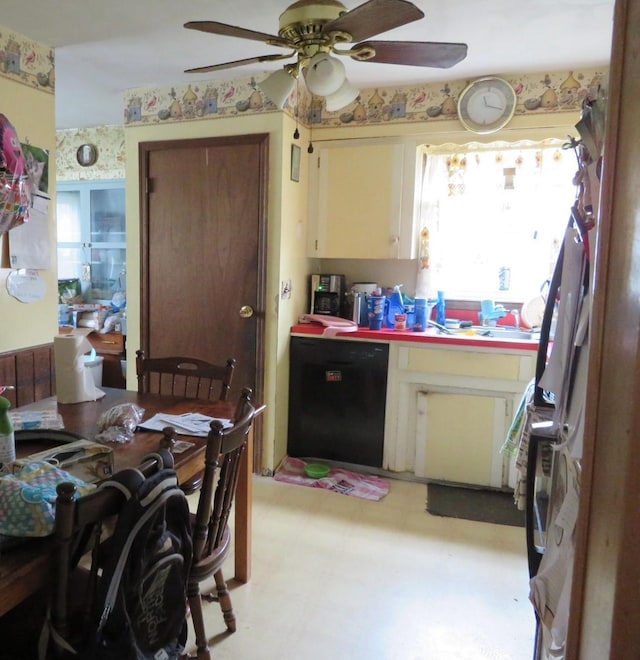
<point>286,259</point>
<point>293,266</point>
<point>32,112</point>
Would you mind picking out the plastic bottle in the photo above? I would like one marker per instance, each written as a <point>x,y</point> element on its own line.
<point>396,306</point>
<point>441,309</point>
<point>409,310</point>
<point>7,438</point>
<point>420,319</point>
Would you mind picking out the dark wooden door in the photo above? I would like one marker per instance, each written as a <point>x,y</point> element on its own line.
<point>203,252</point>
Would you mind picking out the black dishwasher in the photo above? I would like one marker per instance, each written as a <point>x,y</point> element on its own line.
<point>337,393</point>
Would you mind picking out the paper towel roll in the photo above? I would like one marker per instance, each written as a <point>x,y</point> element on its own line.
<point>74,382</point>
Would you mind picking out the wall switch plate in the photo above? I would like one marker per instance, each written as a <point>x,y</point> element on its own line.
<point>285,290</point>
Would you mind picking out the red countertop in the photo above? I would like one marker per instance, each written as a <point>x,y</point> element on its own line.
<point>430,336</point>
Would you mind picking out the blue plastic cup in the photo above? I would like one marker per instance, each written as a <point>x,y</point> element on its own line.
<point>375,309</point>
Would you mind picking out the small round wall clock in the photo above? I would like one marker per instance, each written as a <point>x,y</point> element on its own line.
<point>86,155</point>
<point>486,105</point>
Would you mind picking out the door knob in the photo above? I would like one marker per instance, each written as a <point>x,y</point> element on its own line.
<point>246,311</point>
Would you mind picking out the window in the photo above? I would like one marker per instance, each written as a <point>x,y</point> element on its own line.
<point>495,216</point>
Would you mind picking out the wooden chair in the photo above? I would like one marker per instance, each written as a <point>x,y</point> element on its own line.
<point>188,377</point>
<point>184,376</point>
<point>211,534</point>
<point>79,527</point>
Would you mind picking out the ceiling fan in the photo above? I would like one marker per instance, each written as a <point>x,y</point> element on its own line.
<point>313,31</point>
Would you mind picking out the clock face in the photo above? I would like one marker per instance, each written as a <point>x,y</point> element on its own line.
<point>486,105</point>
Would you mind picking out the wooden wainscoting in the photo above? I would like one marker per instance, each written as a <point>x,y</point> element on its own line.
<point>30,371</point>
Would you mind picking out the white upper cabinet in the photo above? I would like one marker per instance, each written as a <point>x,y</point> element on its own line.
<point>91,236</point>
<point>361,201</point>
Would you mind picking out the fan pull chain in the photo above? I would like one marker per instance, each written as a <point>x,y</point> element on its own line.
<point>296,133</point>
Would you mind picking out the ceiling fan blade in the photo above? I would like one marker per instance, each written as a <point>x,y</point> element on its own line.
<point>439,55</point>
<point>374,17</point>
<point>225,30</point>
<point>235,63</point>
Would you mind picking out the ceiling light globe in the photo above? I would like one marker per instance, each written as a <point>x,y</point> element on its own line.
<point>277,87</point>
<point>324,75</point>
<point>342,98</point>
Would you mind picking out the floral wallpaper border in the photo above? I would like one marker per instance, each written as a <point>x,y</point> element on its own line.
<point>537,93</point>
<point>26,61</point>
<point>33,64</point>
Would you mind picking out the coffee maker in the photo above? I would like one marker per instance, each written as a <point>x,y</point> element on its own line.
<point>327,294</point>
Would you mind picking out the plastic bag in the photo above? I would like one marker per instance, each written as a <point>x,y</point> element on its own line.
<point>14,188</point>
<point>27,499</point>
<point>14,201</point>
<point>118,424</point>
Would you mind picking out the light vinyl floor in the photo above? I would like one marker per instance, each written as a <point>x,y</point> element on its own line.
<point>339,578</point>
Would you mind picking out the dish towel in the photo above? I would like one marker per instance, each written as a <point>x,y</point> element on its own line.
<point>332,324</point>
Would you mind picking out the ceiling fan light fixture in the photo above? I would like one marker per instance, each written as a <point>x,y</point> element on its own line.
<point>345,95</point>
<point>324,75</point>
<point>277,87</point>
<point>313,29</point>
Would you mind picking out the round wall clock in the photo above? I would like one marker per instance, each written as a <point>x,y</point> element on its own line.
<point>486,105</point>
<point>86,155</point>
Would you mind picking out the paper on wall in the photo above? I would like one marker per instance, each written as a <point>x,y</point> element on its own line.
<point>29,245</point>
<point>26,285</point>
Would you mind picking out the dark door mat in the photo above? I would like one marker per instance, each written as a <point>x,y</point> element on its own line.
<point>473,504</point>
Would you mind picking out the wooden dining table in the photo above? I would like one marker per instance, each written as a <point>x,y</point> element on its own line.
<point>24,568</point>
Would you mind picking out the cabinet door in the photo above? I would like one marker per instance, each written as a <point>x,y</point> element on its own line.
<point>106,215</point>
<point>449,411</point>
<point>72,236</point>
<point>92,236</point>
<point>69,215</point>
<point>107,239</point>
<point>356,201</point>
<point>458,437</point>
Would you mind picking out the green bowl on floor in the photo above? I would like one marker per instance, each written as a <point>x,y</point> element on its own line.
<point>316,470</point>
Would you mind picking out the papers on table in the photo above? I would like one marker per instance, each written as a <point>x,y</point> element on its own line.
<point>194,424</point>
<point>36,419</point>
